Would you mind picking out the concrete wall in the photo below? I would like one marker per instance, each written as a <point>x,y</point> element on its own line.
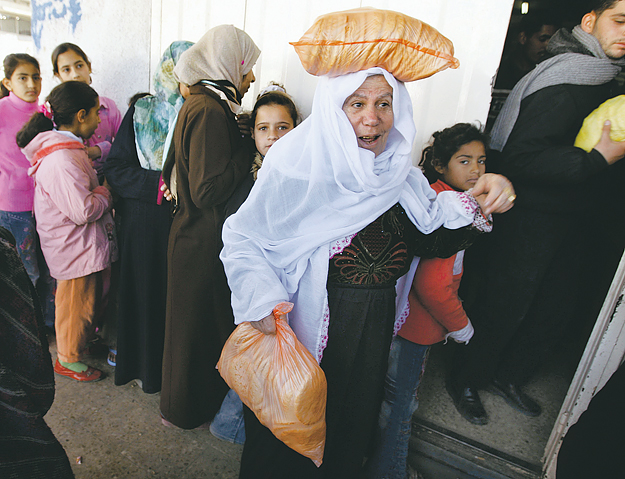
<point>115,34</point>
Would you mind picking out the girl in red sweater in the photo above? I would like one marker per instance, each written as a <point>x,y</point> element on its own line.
<point>454,160</point>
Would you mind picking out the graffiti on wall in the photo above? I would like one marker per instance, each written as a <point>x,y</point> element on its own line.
<point>46,10</point>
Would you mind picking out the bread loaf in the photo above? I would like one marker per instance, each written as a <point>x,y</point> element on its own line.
<point>592,128</point>
<point>354,40</point>
<point>277,378</point>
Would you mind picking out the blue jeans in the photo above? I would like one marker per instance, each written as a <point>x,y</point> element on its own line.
<point>228,423</point>
<point>22,226</point>
<point>406,364</point>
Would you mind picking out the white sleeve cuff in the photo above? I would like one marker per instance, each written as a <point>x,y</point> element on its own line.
<point>463,335</point>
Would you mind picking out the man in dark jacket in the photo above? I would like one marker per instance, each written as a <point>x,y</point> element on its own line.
<point>531,272</point>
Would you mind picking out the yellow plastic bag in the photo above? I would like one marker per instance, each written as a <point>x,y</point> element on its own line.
<point>354,40</point>
<point>277,378</point>
<point>590,132</point>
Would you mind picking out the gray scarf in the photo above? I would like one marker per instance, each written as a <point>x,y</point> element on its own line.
<point>578,59</point>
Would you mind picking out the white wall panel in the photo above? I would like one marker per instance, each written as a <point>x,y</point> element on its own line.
<point>478,30</point>
<point>272,29</point>
<point>14,43</point>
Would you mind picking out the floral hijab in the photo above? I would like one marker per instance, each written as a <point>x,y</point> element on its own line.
<point>155,114</point>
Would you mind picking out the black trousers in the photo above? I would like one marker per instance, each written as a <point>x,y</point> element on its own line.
<point>524,280</point>
<point>355,362</point>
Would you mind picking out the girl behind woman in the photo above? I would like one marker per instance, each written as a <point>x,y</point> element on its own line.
<point>73,219</point>
<point>70,63</point>
<point>133,169</point>
<point>273,116</point>
<point>18,102</point>
<point>453,162</point>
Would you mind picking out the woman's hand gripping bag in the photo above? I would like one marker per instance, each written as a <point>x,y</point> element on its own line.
<point>590,132</point>
<point>277,378</point>
<point>354,40</point>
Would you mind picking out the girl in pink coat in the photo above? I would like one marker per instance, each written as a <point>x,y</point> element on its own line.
<point>73,218</point>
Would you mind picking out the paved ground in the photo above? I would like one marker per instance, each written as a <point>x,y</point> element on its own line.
<point>113,431</point>
<point>508,430</point>
<point>117,433</point>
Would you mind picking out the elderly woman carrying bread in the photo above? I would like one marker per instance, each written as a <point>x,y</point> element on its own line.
<point>335,224</point>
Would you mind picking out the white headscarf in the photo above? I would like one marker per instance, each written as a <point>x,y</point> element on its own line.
<point>317,187</point>
<point>223,53</point>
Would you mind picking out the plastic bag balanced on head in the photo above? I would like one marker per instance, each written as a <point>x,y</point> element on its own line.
<point>280,381</point>
<point>363,38</point>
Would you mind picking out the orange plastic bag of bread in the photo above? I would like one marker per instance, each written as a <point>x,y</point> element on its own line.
<point>354,40</point>
<point>277,378</point>
<point>592,128</point>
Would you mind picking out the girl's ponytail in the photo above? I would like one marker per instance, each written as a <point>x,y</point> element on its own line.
<point>65,101</point>
<point>38,123</point>
<point>427,163</point>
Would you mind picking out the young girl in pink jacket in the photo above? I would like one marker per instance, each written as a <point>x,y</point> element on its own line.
<point>73,218</point>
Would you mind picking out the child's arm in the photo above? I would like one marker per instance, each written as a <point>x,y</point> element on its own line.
<point>437,290</point>
<point>70,192</point>
<point>102,190</point>
<point>94,152</point>
<point>111,120</point>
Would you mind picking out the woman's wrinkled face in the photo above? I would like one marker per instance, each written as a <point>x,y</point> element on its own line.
<point>370,112</point>
<point>272,123</point>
